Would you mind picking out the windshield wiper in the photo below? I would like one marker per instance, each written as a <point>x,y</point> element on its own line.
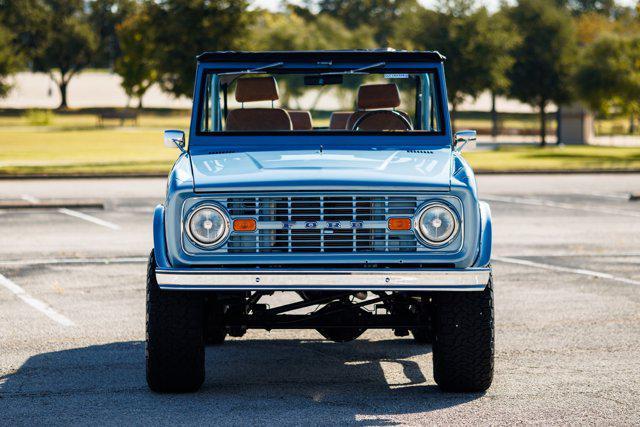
<point>356,70</point>
<point>232,75</point>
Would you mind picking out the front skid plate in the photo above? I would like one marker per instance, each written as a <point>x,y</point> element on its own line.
<point>471,279</point>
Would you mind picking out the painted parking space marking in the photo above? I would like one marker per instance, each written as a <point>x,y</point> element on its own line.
<point>89,218</point>
<point>603,195</point>
<point>29,198</point>
<point>580,271</point>
<point>559,205</point>
<point>35,303</point>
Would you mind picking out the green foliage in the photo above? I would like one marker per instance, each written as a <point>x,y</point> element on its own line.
<point>54,35</point>
<point>38,117</point>
<point>186,28</point>
<point>544,61</point>
<point>104,17</point>
<point>577,7</point>
<point>378,15</point>
<point>476,46</point>
<point>290,31</point>
<point>608,78</point>
<point>137,64</point>
<point>9,61</point>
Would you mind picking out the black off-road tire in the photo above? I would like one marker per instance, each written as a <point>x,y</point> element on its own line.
<point>175,337</point>
<point>463,346</point>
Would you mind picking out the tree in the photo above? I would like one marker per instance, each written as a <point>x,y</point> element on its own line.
<point>503,40</point>
<point>544,60</point>
<point>290,31</point>
<point>54,36</point>
<point>186,28</point>
<point>70,48</point>
<point>578,7</point>
<point>608,78</point>
<point>380,15</point>
<point>104,17</point>
<point>137,63</point>
<point>475,48</point>
<point>9,60</point>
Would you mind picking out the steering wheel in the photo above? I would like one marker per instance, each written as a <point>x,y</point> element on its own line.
<point>367,115</point>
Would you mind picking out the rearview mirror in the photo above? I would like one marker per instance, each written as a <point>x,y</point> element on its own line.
<point>174,138</point>
<point>464,138</point>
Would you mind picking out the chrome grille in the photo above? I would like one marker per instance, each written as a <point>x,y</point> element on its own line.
<point>370,211</point>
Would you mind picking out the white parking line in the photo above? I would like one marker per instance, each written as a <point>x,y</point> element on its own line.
<point>603,195</point>
<point>548,203</point>
<point>35,303</point>
<point>580,271</point>
<point>30,199</point>
<point>89,218</point>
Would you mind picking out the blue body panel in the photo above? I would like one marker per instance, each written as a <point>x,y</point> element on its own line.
<point>217,166</point>
<point>364,169</point>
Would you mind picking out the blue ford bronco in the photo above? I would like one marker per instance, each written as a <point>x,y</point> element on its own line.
<point>355,208</point>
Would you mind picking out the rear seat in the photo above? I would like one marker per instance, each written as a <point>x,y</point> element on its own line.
<point>301,120</point>
<point>257,89</point>
<point>339,119</point>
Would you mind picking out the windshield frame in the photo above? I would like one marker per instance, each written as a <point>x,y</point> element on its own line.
<point>199,137</point>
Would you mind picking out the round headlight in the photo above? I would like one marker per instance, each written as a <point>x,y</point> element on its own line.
<point>436,224</point>
<point>207,226</point>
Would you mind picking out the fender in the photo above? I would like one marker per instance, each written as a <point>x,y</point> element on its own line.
<point>484,253</point>
<point>159,241</point>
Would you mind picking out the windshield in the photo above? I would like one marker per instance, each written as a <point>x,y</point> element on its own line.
<point>358,100</point>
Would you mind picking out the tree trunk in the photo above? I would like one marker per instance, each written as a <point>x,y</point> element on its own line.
<point>494,116</point>
<point>632,123</point>
<point>543,124</point>
<point>62,85</point>
<point>558,125</point>
<point>139,103</point>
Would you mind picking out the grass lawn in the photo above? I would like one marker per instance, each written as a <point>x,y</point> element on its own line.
<point>567,158</point>
<point>98,151</point>
<point>83,148</point>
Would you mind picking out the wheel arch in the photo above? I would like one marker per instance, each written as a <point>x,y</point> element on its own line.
<point>486,236</point>
<point>159,239</point>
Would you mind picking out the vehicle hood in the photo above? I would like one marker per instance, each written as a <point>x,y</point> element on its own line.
<point>424,170</point>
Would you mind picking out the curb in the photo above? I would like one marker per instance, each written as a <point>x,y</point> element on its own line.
<point>556,172</point>
<point>84,176</point>
<point>52,204</point>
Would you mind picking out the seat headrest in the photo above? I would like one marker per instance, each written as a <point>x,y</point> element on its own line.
<point>378,96</point>
<point>256,89</point>
<point>301,120</point>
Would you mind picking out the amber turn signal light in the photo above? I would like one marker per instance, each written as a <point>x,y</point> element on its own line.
<point>399,223</point>
<point>244,225</point>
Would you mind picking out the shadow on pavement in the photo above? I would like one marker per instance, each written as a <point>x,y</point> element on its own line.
<point>258,381</point>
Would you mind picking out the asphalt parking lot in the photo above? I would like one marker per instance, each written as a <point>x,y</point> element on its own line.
<point>567,289</point>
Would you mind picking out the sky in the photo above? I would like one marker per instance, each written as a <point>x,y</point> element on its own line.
<point>491,4</point>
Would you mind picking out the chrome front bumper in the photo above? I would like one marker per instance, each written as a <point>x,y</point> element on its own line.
<point>470,279</point>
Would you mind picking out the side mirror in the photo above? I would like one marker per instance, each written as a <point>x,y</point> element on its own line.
<point>174,138</point>
<point>464,138</point>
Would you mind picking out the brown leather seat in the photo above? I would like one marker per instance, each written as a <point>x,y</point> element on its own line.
<point>379,97</point>
<point>257,89</point>
<point>301,120</point>
<point>339,119</point>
